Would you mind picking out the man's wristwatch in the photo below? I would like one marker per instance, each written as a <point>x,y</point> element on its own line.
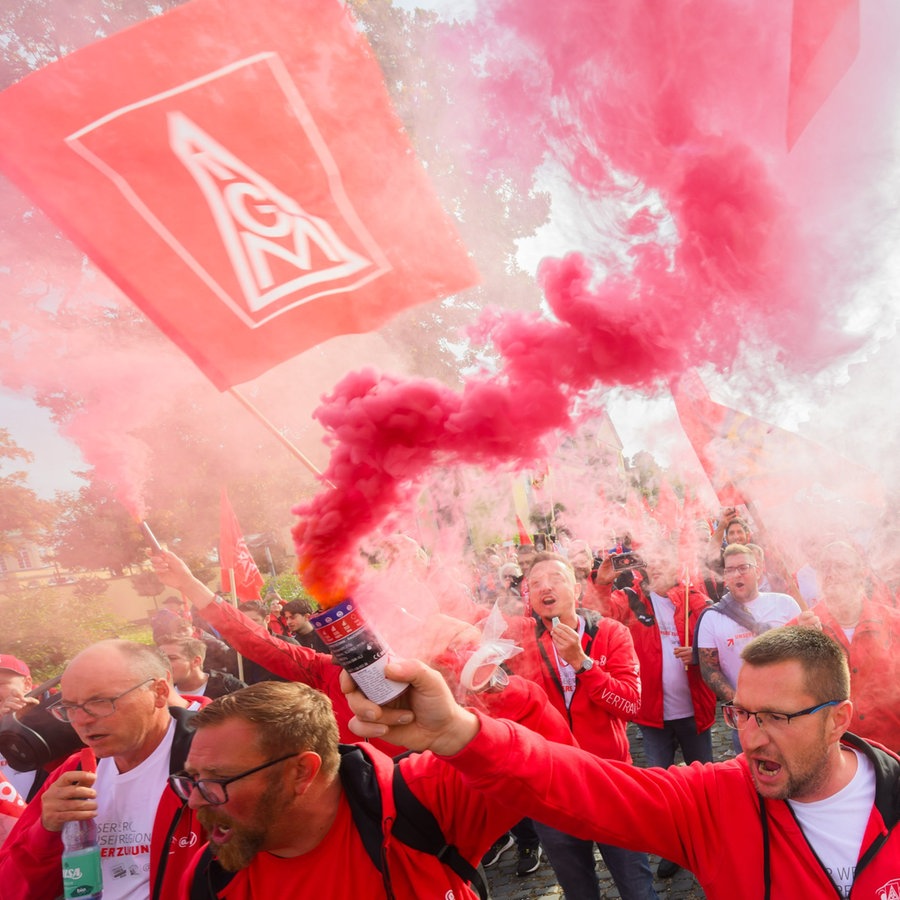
<point>586,666</point>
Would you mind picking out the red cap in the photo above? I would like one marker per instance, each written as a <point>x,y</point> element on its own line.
<point>14,665</point>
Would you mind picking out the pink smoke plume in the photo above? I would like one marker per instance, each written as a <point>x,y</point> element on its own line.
<point>111,374</point>
<point>675,113</point>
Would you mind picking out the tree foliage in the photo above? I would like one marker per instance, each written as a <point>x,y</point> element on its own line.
<point>22,512</point>
<point>94,531</point>
<point>47,628</point>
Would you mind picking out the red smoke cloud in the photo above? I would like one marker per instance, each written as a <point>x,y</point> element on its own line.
<point>675,115</point>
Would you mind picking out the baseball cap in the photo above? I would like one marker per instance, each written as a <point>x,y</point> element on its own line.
<point>7,661</point>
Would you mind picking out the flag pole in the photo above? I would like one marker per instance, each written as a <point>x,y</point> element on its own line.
<point>271,427</point>
<point>234,603</point>
<point>687,609</point>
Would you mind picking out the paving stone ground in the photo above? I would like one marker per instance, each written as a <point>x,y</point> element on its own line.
<point>542,885</point>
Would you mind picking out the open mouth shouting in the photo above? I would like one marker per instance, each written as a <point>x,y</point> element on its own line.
<point>768,776</point>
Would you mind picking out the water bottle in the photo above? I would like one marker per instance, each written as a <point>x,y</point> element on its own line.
<point>82,878</point>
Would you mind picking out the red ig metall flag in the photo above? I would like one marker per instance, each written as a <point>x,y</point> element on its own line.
<point>237,169</point>
<point>235,559</point>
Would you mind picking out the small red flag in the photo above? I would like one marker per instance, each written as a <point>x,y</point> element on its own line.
<point>238,171</point>
<point>235,558</point>
<point>524,536</point>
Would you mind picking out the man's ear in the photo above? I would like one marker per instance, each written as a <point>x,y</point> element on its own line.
<point>308,766</point>
<point>841,716</point>
<point>161,689</point>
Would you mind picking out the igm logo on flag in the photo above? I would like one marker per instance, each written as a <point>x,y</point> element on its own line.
<point>280,254</point>
<point>238,171</point>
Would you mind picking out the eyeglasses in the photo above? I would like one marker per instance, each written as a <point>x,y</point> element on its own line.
<point>736,717</point>
<point>213,790</point>
<point>96,709</point>
<point>739,570</point>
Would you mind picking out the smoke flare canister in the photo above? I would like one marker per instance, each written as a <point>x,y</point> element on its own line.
<point>358,648</point>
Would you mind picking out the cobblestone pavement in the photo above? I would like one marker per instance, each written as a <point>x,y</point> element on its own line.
<point>541,885</point>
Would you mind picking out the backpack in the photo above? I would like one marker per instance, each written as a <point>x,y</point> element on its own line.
<point>414,826</point>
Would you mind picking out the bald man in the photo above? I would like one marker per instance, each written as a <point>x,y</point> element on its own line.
<point>115,695</point>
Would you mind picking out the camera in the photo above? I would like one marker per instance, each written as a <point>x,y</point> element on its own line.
<point>36,739</point>
<point>622,562</point>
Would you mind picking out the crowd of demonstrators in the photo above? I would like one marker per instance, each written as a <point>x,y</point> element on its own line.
<point>806,811</point>
<point>604,641</point>
<point>118,697</point>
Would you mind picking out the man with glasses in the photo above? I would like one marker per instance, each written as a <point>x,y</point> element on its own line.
<point>729,625</point>
<point>115,695</point>
<point>807,811</point>
<point>284,806</point>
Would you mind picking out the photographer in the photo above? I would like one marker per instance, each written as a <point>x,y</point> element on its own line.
<point>15,683</point>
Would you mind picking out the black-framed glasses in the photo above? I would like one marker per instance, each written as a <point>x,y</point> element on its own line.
<point>737,717</point>
<point>99,708</point>
<point>214,790</point>
<point>742,569</point>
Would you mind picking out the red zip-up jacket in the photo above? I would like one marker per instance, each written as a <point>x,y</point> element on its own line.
<point>30,860</point>
<point>707,818</point>
<point>648,645</point>
<point>605,697</point>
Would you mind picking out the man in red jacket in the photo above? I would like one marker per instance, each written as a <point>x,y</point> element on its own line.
<point>115,694</point>
<point>807,810</point>
<point>677,706</point>
<point>588,668</point>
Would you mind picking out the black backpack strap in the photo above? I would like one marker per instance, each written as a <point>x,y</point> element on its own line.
<point>363,794</point>
<point>209,877</point>
<point>767,857</point>
<point>417,827</point>
<point>640,612</point>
